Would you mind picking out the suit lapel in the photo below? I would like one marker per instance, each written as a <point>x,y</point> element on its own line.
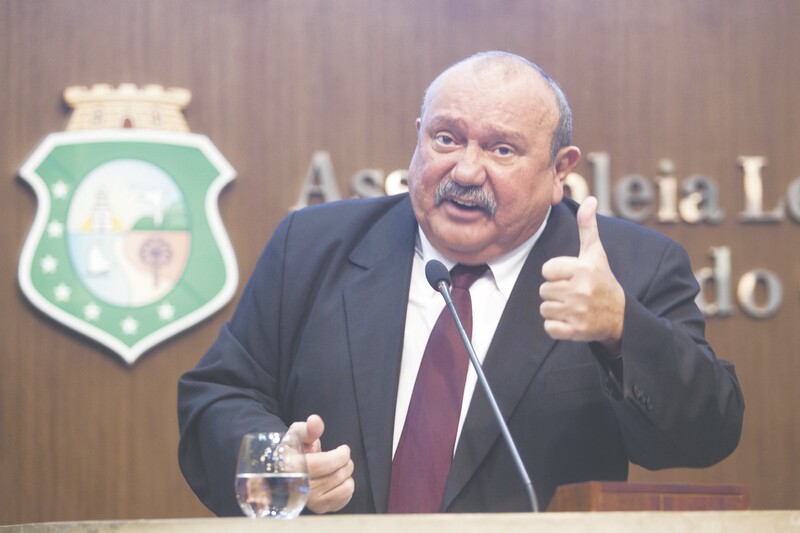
<point>518,349</point>
<point>375,304</point>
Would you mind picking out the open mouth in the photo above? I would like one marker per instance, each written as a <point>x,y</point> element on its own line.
<point>469,206</point>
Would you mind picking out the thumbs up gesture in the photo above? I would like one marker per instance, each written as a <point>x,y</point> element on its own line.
<point>582,300</point>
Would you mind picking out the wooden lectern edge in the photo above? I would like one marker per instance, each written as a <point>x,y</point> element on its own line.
<point>595,496</point>
<point>612,522</point>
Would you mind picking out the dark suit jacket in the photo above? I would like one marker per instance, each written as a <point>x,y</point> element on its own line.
<point>319,329</point>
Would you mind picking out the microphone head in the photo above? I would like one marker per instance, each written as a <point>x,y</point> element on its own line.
<point>436,273</point>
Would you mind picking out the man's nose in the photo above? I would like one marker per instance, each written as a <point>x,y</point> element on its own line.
<point>470,169</point>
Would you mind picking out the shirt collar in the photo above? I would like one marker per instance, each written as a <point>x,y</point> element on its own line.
<point>505,269</point>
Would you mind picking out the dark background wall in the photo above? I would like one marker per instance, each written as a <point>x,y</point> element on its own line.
<point>84,436</point>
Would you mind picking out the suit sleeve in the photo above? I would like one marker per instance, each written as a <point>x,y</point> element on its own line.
<point>234,388</point>
<point>680,405</point>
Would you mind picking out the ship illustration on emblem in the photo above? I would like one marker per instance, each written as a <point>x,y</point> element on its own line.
<point>127,246</point>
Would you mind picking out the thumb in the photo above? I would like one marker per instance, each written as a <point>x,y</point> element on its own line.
<point>587,225</point>
<point>314,429</point>
<point>309,432</point>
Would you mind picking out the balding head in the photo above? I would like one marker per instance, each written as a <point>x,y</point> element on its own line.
<point>507,66</point>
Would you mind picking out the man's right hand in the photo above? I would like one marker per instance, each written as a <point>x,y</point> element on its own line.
<point>330,473</point>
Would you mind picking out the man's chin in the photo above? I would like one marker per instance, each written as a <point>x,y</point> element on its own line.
<point>462,250</point>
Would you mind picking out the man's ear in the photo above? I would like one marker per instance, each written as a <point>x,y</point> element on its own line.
<point>566,160</point>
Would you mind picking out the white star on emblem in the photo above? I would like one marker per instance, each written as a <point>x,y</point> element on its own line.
<point>91,311</point>
<point>49,264</point>
<point>129,325</point>
<point>60,189</point>
<point>62,292</point>
<point>55,229</point>
<point>166,311</point>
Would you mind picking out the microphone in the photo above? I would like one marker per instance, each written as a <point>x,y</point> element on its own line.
<point>439,278</point>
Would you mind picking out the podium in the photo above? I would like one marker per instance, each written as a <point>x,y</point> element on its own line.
<point>622,496</point>
<point>614,522</point>
<point>635,507</point>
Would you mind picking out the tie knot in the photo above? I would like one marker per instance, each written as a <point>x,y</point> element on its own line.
<point>464,276</point>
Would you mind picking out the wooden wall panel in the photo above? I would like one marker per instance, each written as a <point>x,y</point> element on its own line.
<point>83,436</point>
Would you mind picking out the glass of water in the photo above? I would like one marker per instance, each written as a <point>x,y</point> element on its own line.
<point>271,475</point>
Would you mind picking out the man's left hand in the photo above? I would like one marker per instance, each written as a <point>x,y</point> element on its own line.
<point>582,300</point>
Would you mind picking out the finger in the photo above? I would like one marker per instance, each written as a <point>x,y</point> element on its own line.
<point>552,310</point>
<point>331,483</point>
<point>558,330</point>
<point>324,484</point>
<point>555,290</point>
<point>321,464</point>
<point>587,225</point>
<point>560,268</point>
<point>332,500</point>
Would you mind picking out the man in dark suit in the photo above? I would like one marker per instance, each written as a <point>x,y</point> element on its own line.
<point>586,325</point>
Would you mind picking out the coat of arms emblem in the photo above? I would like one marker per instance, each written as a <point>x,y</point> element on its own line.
<point>127,246</point>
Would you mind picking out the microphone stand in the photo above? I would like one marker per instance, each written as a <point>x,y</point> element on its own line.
<point>444,289</point>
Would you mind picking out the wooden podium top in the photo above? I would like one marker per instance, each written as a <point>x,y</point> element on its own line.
<point>612,522</point>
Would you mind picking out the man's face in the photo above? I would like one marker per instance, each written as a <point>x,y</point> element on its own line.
<point>481,179</point>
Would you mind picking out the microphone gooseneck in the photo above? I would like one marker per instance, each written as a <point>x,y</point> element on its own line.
<point>439,278</point>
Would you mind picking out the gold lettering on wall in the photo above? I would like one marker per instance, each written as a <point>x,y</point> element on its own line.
<point>694,200</point>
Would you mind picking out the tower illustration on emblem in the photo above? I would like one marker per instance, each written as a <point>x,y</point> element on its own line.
<point>127,246</point>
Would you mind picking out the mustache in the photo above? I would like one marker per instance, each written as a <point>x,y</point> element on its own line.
<point>472,195</point>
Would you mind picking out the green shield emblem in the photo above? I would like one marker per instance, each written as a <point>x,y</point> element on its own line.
<point>127,246</point>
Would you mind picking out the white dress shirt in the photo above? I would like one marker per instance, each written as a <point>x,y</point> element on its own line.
<point>489,296</point>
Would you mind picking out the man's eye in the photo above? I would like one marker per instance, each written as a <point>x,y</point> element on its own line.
<point>444,139</point>
<point>504,150</point>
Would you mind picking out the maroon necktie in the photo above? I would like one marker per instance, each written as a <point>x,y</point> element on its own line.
<point>423,456</point>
